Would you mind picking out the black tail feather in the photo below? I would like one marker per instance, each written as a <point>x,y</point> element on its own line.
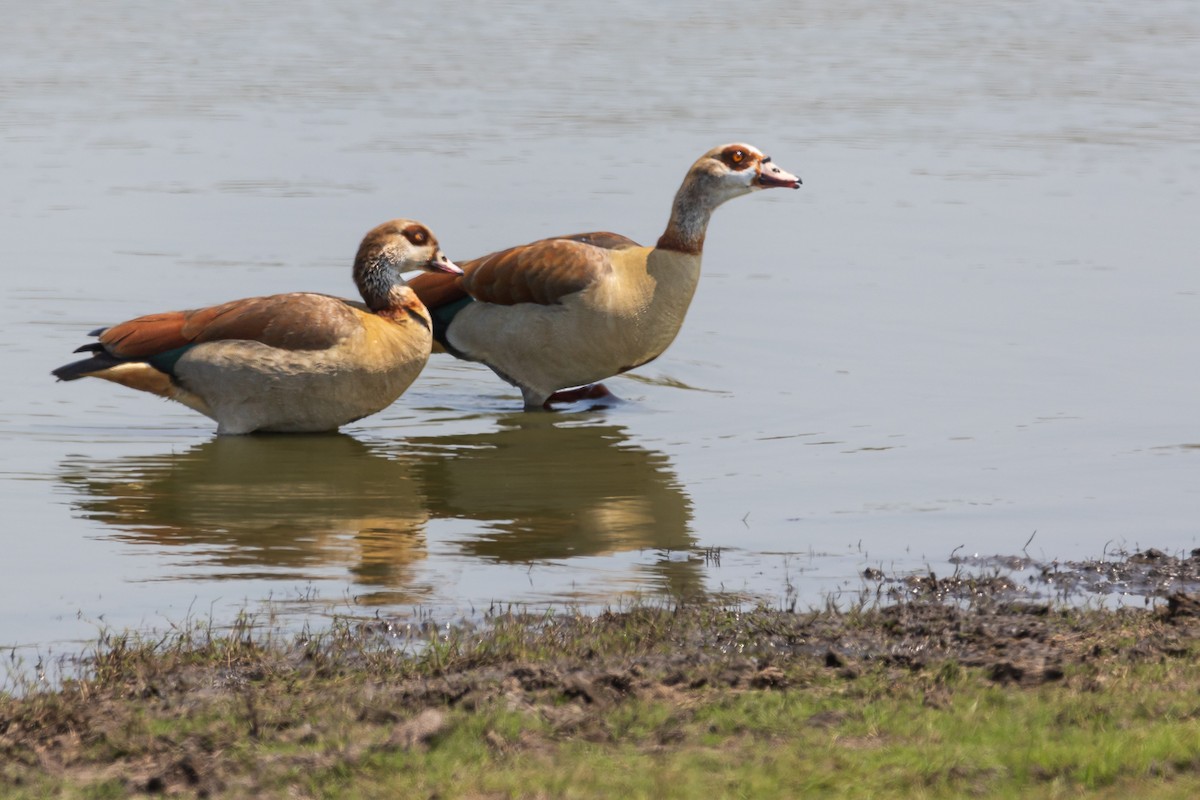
<point>80,369</point>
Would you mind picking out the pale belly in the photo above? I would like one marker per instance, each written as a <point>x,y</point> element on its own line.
<point>251,387</point>
<point>590,336</point>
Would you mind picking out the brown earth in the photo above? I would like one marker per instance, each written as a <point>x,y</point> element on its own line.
<point>212,694</point>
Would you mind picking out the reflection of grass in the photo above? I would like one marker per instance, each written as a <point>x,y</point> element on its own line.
<point>915,700</point>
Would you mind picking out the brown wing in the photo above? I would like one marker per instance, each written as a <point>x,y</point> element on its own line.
<point>297,321</point>
<point>542,272</point>
<point>437,289</point>
<point>605,239</point>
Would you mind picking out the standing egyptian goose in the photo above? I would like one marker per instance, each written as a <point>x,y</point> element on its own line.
<point>568,311</point>
<point>294,363</point>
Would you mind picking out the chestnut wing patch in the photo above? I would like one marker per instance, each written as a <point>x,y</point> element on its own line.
<point>437,289</point>
<point>298,321</point>
<point>604,239</point>
<point>543,272</point>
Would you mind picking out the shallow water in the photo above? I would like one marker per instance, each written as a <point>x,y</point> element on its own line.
<point>977,321</point>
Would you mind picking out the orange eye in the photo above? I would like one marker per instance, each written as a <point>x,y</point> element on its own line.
<point>417,236</point>
<point>736,158</point>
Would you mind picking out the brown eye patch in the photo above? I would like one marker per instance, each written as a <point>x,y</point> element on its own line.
<point>736,157</point>
<point>417,235</point>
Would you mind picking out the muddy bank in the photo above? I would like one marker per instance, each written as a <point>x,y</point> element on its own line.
<point>197,712</point>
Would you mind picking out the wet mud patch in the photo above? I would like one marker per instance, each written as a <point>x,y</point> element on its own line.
<point>209,715</point>
<point>1118,577</point>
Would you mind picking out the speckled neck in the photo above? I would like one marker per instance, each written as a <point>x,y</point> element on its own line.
<point>380,284</point>
<point>690,215</point>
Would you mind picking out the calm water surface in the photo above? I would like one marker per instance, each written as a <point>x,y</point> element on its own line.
<point>978,319</point>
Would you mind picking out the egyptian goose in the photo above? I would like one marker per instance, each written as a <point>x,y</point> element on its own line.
<point>295,363</point>
<point>567,311</point>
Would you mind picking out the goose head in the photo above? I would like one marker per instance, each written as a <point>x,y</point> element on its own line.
<point>721,174</point>
<point>391,249</point>
<point>735,169</point>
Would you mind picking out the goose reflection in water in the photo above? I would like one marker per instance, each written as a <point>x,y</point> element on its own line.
<point>553,487</point>
<point>292,508</point>
<point>276,507</point>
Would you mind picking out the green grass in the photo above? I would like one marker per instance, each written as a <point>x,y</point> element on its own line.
<point>985,742</point>
<point>651,703</point>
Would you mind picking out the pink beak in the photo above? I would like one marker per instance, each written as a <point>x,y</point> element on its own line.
<point>770,175</point>
<point>439,263</point>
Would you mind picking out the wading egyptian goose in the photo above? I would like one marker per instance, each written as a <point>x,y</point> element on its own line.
<point>294,363</point>
<point>568,311</point>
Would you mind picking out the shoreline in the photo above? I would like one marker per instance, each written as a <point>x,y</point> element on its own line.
<point>637,698</point>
